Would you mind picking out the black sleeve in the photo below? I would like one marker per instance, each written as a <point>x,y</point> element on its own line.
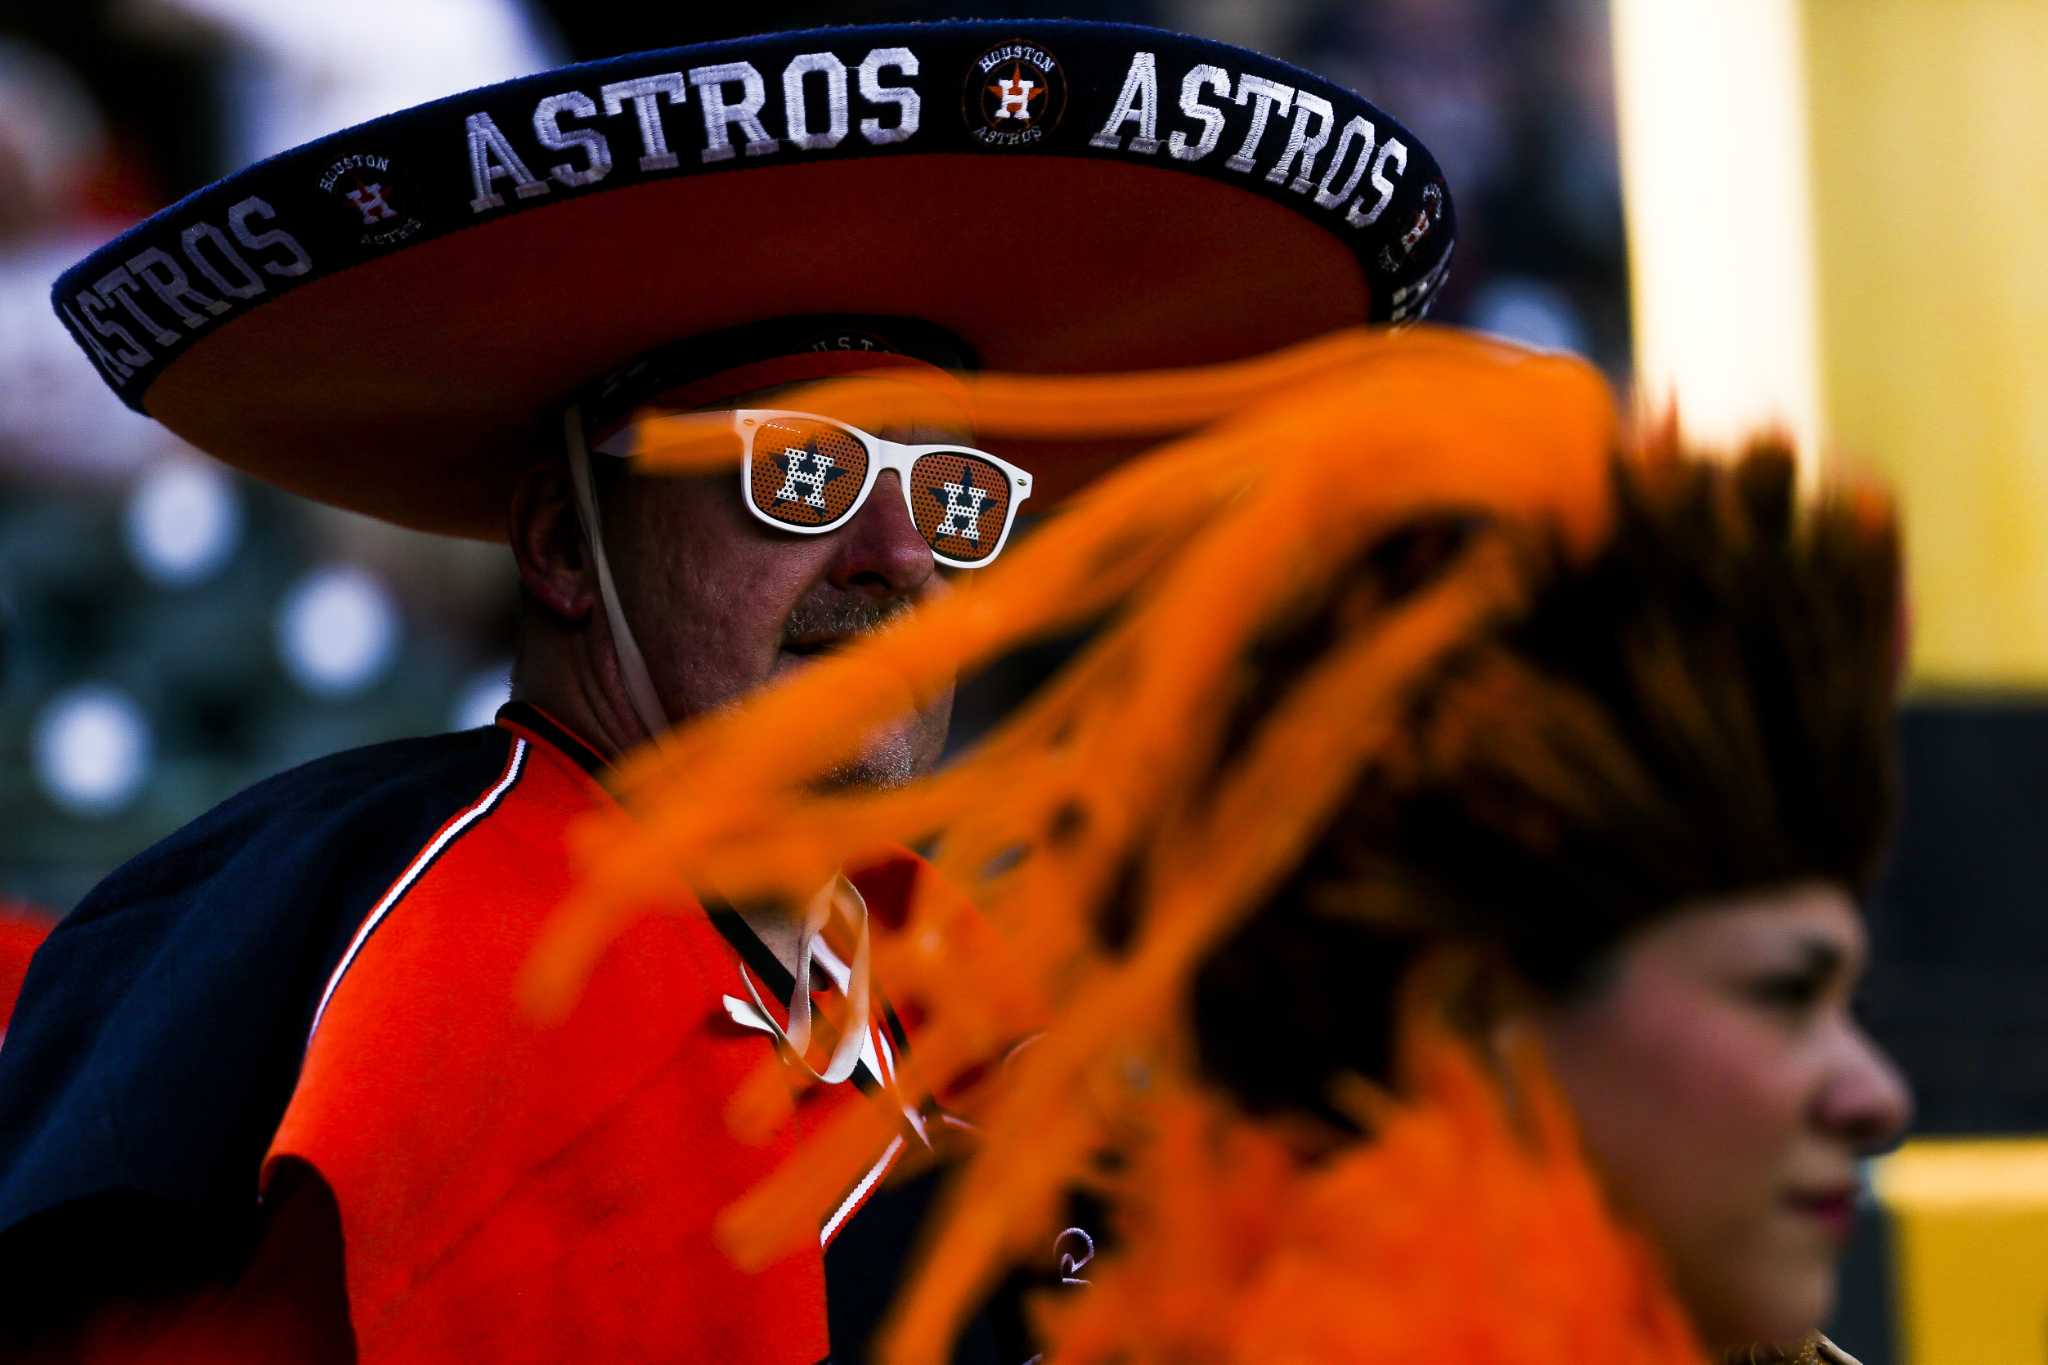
<point>161,1026</point>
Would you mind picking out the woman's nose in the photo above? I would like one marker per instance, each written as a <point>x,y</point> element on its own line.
<point>1867,1100</point>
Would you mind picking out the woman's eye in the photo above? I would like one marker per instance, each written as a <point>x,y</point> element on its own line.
<point>1791,992</point>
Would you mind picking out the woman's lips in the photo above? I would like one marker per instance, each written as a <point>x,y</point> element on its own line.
<point>1833,1207</point>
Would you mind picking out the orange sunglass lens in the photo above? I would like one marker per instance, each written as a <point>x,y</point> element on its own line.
<point>805,472</point>
<point>961,503</point>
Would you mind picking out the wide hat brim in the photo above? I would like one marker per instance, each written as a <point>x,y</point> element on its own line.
<point>386,319</point>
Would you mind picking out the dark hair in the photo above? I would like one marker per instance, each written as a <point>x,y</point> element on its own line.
<point>1703,707</point>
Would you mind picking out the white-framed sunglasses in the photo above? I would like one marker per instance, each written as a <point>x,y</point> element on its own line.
<point>809,474</point>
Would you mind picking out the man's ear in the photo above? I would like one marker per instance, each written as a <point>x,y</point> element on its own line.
<point>547,541</point>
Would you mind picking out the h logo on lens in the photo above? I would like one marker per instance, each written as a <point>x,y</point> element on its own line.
<point>963,510</point>
<point>808,468</point>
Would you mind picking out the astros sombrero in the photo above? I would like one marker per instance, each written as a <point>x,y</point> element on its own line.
<point>382,318</point>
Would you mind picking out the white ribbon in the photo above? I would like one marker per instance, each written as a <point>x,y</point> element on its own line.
<point>836,894</point>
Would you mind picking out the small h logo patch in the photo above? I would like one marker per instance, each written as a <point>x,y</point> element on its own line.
<point>367,183</point>
<point>1014,95</point>
<point>370,200</point>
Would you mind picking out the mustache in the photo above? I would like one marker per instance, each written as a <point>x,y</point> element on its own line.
<point>834,616</point>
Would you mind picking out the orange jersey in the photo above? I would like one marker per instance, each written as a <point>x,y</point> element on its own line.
<point>482,1186</point>
<point>516,1191</point>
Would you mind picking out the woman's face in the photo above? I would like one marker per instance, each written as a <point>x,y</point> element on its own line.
<point>1726,1093</point>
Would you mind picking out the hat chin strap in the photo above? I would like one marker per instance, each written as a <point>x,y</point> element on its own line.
<point>654,719</point>
<point>633,672</point>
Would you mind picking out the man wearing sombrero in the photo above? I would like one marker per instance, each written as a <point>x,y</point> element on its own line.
<point>268,1090</point>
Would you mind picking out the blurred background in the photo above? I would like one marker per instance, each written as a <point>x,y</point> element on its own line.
<point>1820,213</point>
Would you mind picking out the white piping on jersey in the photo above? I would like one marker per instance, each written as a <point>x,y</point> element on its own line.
<point>411,874</point>
<point>888,1057</point>
<point>834,965</point>
<point>867,1182</point>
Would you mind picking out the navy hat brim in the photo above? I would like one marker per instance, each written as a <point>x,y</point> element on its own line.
<point>387,318</point>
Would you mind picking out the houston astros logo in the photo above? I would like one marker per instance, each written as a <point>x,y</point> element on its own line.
<point>963,509</point>
<point>1426,217</point>
<point>1015,94</point>
<point>805,472</point>
<point>365,183</point>
<point>370,199</point>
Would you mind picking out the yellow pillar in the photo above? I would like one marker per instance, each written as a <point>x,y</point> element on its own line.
<point>1929,154</point>
<point>1970,1230</point>
<point>1838,222</point>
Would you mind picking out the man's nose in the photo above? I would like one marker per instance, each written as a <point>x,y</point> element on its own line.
<point>1867,1100</point>
<point>880,551</point>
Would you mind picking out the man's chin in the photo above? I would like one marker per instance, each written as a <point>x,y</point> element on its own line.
<point>898,756</point>
<point>869,771</point>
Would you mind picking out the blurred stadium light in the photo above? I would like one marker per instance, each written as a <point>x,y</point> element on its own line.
<point>92,748</point>
<point>184,521</point>
<point>337,630</point>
